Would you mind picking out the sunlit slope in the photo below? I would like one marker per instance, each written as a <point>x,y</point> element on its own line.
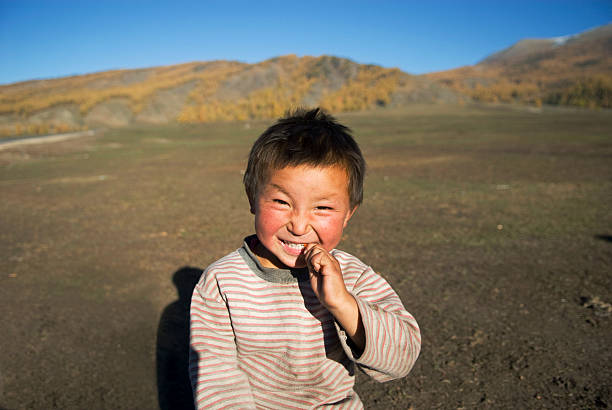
<point>571,70</point>
<point>208,91</point>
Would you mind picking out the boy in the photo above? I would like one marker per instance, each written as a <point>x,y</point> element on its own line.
<point>282,321</point>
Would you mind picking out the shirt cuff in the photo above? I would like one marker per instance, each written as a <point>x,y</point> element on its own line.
<point>366,357</point>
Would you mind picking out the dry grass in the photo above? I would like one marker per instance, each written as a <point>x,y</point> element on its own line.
<point>92,236</point>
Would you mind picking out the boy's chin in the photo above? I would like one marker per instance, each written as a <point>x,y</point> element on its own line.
<point>297,263</point>
<point>273,261</point>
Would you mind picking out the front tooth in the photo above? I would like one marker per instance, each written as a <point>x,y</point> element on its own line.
<point>295,245</point>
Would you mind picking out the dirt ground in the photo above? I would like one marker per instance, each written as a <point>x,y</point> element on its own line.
<point>492,223</point>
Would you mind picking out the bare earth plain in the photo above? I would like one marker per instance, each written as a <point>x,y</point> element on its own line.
<point>492,223</point>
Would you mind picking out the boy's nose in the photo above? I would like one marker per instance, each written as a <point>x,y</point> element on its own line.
<point>298,225</point>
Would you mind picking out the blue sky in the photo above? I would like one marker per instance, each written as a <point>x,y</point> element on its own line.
<point>45,39</point>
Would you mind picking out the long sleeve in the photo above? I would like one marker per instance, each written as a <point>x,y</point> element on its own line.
<point>216,379</point>
<point>393,338</point>
<point>261,339</point>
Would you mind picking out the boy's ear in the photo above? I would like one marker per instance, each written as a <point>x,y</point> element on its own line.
<point>348,216</point>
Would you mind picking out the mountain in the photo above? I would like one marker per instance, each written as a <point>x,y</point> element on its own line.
<point>571,70</point>
<point>208,91</point>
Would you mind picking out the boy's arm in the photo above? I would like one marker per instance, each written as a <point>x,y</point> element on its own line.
<point>216,380</point>
<point>375,329</point>
<point>392,335</point>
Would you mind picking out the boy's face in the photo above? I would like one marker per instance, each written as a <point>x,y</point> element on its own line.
<point>297,206</point>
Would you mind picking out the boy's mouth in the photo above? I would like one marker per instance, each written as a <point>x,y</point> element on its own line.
<point>292,245</point>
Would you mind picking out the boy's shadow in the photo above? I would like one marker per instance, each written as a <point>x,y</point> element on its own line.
<point>172,352</point>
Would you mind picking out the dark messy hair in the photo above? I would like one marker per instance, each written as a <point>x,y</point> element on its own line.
<point>305,137</point>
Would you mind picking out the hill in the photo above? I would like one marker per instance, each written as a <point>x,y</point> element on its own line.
<point>571,70</point>
<point>206,92</point>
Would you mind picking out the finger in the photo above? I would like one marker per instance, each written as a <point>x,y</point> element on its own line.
<point>309,247</point>
<point>322,261</point>
<point>314,261</point>
<point>311,250</point>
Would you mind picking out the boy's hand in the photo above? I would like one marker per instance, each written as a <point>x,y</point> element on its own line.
<point>326,277</point>
<point>328,285</point>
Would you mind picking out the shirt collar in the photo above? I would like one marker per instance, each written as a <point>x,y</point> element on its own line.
<point>269,274</point>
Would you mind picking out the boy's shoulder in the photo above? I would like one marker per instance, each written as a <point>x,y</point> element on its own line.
<point>230,262</point>
<point>348,259</point>
<point>233,265</point>
<point>232,258</point>
<point>351,266</point>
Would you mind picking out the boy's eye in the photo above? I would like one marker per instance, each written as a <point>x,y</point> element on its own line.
<point>280,201</point>
<point>324,208</point>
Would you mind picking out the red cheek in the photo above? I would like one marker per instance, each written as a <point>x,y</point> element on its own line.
<point>330,232</point>
<point>269,220</point>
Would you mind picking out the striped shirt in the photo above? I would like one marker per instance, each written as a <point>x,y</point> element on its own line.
<point>261,339</point>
